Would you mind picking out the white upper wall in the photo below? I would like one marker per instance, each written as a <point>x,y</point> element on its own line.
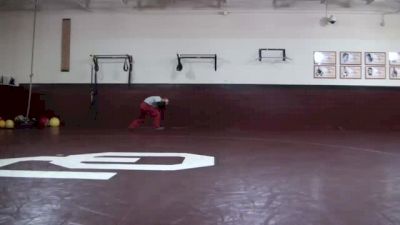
<point>155,38</point>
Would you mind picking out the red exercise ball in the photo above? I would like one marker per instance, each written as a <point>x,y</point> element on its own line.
<point>43,122</point>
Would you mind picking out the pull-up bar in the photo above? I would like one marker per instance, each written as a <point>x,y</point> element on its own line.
<point>128,63</point>
<point>128,66</point>
<point>110,56</point>
<point>282,50</point>
<point>179,67</point>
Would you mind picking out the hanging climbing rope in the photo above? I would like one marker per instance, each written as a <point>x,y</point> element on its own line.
<point>28,108</point>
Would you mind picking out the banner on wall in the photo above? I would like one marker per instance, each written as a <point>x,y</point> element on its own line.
<point>350,72</point>
<point>350,58</point>
<point>394,72</point>
<point>325,65</point>
<point>324,57</point>
<point>394,58</point>
<point>375,72</point>
<point>325,71</point>
<point>375,58</point>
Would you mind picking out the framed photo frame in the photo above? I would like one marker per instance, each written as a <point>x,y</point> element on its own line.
<point>375,72</point>
<point>350,72</point>
<point>394,72</point>
<point>350,58</point>
<point>375,58</point>
<point>394,58</point>
<point>324,57</point>
<point>325,71</point>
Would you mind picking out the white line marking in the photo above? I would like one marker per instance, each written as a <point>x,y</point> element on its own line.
<point>57,174</point>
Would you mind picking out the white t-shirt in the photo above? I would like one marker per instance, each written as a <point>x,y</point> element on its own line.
<point>153,100</point>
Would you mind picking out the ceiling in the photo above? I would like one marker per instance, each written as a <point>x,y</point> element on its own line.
<point>379,6</point>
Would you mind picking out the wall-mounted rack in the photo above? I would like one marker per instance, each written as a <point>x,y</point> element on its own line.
<point>128,64</point>
<point>179,67</point>
<point>127,67</point>
<point>279,53</point>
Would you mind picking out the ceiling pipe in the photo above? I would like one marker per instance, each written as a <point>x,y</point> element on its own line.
<point>369,1</point>
<point>85,4</point>
<point>281,4</point>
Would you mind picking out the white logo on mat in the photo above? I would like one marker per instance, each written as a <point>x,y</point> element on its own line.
<point>103,161</point>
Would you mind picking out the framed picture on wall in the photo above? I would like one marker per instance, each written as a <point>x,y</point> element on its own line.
<point>375,58</point>
<point>394,72</point>
<point>324,57</point>
<point>375,72</point>
<point>350,58</point>
<point>394,58</point>
<point>325,71</point>
<point>350,72</point>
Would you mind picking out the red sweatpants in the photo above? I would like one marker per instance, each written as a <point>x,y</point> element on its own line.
<point>146,109</point>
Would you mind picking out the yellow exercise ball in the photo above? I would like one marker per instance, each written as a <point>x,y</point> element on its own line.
<point>9,124</point>
<point>54,122</point>
<point>2,123</point>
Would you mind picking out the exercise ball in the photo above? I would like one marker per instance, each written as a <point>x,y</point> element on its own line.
<point>54,122</point>
<point>2,123</point>
<point>43,122</point>
<point>9,124</point>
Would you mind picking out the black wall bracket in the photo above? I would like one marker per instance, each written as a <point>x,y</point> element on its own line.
<point>179,67</point>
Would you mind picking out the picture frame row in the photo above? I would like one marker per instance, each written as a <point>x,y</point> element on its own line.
<point>355,58</point>
<point>355,72</point>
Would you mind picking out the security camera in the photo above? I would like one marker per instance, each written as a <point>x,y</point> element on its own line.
<point>331,19</point>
